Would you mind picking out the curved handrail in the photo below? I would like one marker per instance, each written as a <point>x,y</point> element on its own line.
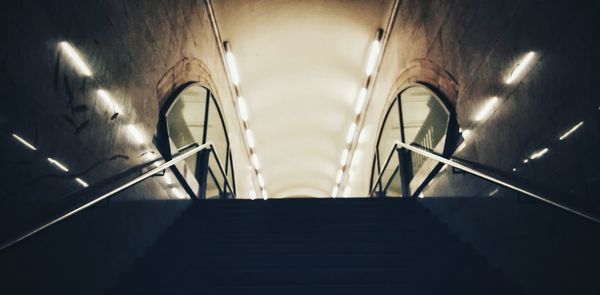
<point>380,174</point>
<point>189,150</point>
<point>487,176</point>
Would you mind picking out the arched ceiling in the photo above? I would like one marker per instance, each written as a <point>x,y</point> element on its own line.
<point>301,65</point>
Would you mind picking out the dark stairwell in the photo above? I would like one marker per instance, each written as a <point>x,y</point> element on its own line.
<point>299,246</point>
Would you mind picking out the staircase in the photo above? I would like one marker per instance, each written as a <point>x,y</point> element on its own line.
<point>304,246</point>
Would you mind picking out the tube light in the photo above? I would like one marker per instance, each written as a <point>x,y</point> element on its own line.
<point>350,134</point>
<point>347,191</point>
<point>373,54</point>
<point>335,191</point>
<point>81,182</point>
<point>486,109</point>
<point>252,193</point>
<point>135,134</point>
<point>58,164</point>
<point>243,108</point>
<point>539,154</point>
<point>362,97</point>
<point>75,58</point>
<point>233,71</point>
<point>178,194</point>
<point>525,161</point>
<point>261,181</point>
<point>339,176</point>
<point>493,192</point>
<point>250,138</point>
<point>520,68</point>
<point>108,100</point>
<point>566,134</point>
<point>344,157</point>
<point>255,162</point>
<point>24,142</point>
<point>264,194</point>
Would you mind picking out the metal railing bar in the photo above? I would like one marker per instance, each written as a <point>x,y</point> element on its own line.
<point>216,155</point>
<point>380,174</point>
<point>493,179</point>
<point>193,149</point>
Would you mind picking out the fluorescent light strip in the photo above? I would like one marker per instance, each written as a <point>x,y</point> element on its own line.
<point>58,164</point>
<point>347,191</point>
<point>135,134</point>
<point>252,192</point>
<point>261,181</point>
<point>75,58</point>
<point>24,142</point>
<point>178,194</point>
<point>81,182</point>
<point>373,55</point>
<point>335,191</point>
<point>493,192</point>
<point>566,134</point>
<point>233,71</point>
<point>339,176</point>
<point>487,109</point>
<point>539,154</point>
<point>264,194</point>
<point>520,68</point>
<point>350,134</point>
<point>362,97</point>
<point>108,100</point>
<point>250,138</point>
<point>243,108</point>
<point>255,162</point>
<point>344,157</point>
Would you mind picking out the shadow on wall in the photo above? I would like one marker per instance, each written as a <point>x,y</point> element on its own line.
<point>543,249</point>
<point>86,253</point>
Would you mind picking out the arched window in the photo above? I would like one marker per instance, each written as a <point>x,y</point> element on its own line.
<point>193,116</point>
<point>418,116</point>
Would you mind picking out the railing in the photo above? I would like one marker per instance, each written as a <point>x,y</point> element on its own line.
<point>401,147</point>
<point>186,152</point>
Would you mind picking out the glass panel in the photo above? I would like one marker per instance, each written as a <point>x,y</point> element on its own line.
<point>390,133</point>
<point>212,185</point>
<point>425,122</point>
<point>217,135</point>
<point>185,120</point>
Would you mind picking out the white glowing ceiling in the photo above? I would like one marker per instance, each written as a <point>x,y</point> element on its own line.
<point>301,66</point>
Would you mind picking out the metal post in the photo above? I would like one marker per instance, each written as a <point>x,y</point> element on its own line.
<point>404,166</point>
<point>202,172</point>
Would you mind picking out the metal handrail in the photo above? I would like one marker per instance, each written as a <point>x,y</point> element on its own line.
<point>387,162</point>
<point>491,178</point>
<point>221,168</point>
<point>189,151</point>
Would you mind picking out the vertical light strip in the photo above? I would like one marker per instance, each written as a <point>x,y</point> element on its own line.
<point>24,142</point>
<point>520,68</point>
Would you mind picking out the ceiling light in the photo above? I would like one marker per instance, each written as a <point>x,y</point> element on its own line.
<point>261,181</point>
<point>520,68</point>
<point>255,162</point>
<point>265,195</point>
<point>347,191</point>
<point>373,55</point>
<point>250,138</point>
<point>514,169</point>
<point>24,142</point>
<point>81,182</point>
<point>487,109</point>
<point>178,194</point>
<point>526,161</point>
<point>135,134</point>
<point>58,164</point>
<point>252,192</point>
<point>538,154</point>
<point>566,134</point>
<point>108,100</point>
<point>233,71</point>
<point>344,157</point>
<point>339,176</point>
<point>335,191</point>
<point>243,108</point>
<point>75,58</point>
<point>493,192</point>
<point>350,134</point>
<point>362,96</point>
